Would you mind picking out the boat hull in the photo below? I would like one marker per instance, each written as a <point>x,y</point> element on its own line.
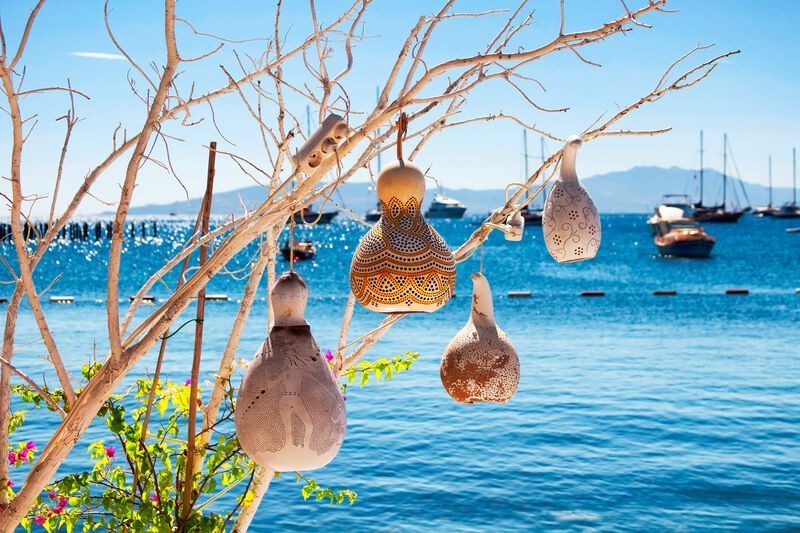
<point>450,212</point>
<point>310,217</point>
<point>532,218</point>
<point>720,217</point>
<point>695,248</point>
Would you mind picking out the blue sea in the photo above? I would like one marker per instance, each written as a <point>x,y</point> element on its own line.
<point>634,412</point>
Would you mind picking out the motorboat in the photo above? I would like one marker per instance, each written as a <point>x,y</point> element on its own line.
<point>676,233</point>
<point>445,207</point>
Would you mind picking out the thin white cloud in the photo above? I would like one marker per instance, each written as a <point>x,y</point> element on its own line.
<point>98,55</point>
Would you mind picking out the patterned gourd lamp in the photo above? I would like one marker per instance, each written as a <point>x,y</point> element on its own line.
<point>402,265</point>
<point>570,223</point>
<point>290,413</point>
<point>480,364</point>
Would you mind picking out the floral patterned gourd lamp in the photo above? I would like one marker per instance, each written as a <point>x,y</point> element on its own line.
<point>570,223</point>
<point>402,264</point>
<point>480,364</point>
<point>290,413</point>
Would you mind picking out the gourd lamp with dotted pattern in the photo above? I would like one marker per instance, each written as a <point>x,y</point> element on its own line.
<point>402,264</point>
<point>570,223</point>
<point>290,413</point>
<point>480,364</point>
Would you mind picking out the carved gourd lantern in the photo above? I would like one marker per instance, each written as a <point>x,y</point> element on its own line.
<point>480,364</point>
<point>402,264</point>
<point>290,414</point>
<point>570,223</point>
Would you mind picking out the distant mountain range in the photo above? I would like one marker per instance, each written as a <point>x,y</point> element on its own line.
<point>636,190</point>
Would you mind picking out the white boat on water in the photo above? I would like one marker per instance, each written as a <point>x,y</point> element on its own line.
<point>445,207</point>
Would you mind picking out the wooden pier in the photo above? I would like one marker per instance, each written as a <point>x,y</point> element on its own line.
<point>80,231</point>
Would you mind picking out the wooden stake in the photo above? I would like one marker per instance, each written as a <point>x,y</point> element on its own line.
<point>198,345</point>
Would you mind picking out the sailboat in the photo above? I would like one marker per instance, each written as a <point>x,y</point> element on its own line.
<point>766,210</point>
<point>532,215</point>
<point>716,213</point>
<point>790,209</point>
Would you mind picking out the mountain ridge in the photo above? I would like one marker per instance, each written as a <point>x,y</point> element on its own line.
<point>636,190</point>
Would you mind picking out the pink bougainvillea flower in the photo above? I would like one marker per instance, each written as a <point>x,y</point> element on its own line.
<point>328,355</point>
<point>38,520</point>
<point>154,497</point>
<point>10,483</point>
<point>51,494</point>
<point>188,382</point>
<point>62,501</point>
<point>110,451</point>
<point>22,456</point>
<point>12,458</point>
<point>344,398</point>
<point>31,445</point>
<point>57,510</point>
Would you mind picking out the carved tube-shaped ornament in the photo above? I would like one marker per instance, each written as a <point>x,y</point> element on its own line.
<point>290,413</point>
<point>571,224</point>
<point>402,265</point>
<point>480,364</point>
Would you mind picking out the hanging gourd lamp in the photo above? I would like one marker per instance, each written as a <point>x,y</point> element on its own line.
<point>570,223</point>
<point>402,265</point>
<point>480,364</point>
<point>290,413</point>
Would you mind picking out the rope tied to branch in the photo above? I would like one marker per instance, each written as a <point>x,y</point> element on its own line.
<point>402,133</point>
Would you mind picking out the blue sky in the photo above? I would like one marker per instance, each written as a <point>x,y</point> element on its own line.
<point>752,97</point>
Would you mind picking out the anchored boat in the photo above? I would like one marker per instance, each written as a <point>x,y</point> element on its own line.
<point>445,207</point>
<point>307,215</point>
<point>532,215</point>
<point>301,251</point>
<point>675,232</point>
<point>720,212</point>
<point>790,209</point>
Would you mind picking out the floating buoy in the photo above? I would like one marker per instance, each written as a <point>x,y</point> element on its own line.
<point>217,297</point>
<point>62,299</point>
<point>570,223</point>
<point>146,298</point>
<point>290,414</point>
<point>3,300</point>
<point>480,364</point>
<point>665,293</point>
<point>593,293</point>
<point>519,294</point>
<point>737,291</point>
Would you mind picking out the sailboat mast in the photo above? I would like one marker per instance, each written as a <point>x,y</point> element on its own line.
<point>701,167</point>
<point>525,152</point>
<point>770,182</point>
<point>724,169</point>
<point>794,176</point>
<point>541,149</point>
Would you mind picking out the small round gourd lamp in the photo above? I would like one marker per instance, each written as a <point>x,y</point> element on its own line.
<point>290,414</point>
<point>480,364</point>
<point>570,223</point>
<point>402,265</point>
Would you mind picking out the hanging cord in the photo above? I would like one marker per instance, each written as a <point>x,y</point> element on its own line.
<point>291,235</point>
<point>402,133</point>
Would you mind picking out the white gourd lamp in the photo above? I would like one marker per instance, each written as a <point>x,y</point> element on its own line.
<point>290,414</point>
<point>402,265</point>
<point>480,364</point>
<point>570,223</point>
